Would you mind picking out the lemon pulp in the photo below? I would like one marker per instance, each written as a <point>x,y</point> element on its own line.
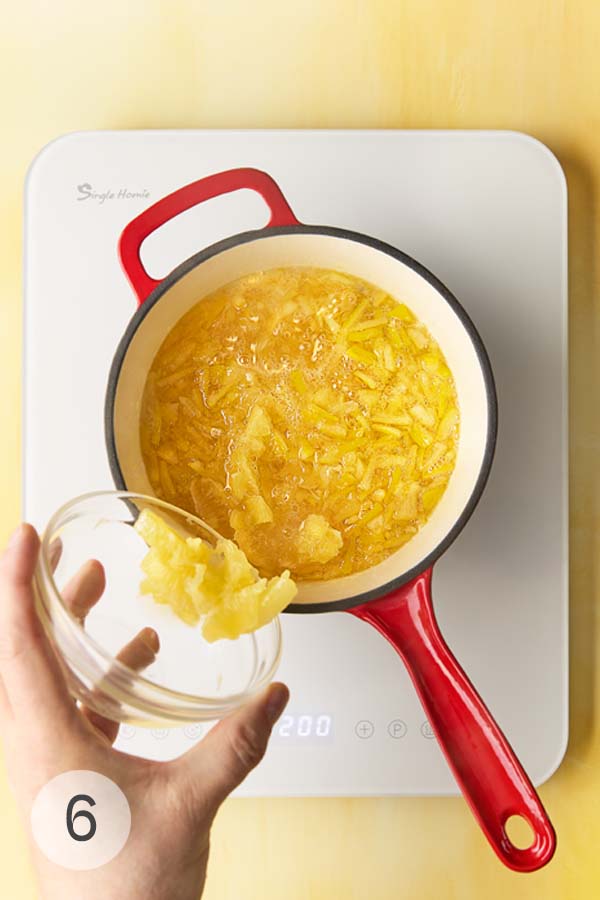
<point>216,586</point>
<point>306,414</point>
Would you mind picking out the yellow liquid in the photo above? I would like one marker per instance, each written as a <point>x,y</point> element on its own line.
<point>307,415</point>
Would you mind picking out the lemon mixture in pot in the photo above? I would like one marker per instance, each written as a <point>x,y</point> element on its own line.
<point>306,414</point>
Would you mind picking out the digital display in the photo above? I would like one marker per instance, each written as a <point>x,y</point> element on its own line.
<point>314,727</point>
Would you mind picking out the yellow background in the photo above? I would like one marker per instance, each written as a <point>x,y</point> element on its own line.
<point>531,65</point>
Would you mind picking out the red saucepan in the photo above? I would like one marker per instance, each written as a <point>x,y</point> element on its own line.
<point>395,595</point>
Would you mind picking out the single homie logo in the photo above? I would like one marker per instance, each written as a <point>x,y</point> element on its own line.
<point>85,191</point>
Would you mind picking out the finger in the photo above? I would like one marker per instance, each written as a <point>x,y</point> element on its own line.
<point>138,654</point>
<point>233,748</point>
<point>5,711</point>
<point>55,553</point>
<point>29,669</point>
<point>141,652</point>
<point>85,588</point>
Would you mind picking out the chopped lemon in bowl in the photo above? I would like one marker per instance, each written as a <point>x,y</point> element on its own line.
<point>215,586</point>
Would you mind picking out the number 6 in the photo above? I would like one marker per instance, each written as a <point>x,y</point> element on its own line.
<point>83,812</point>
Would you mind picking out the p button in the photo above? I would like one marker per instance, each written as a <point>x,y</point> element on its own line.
<point>397,729</point>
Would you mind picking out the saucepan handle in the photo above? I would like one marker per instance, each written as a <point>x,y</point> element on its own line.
<point>186,197</point>
<point>483,762</point>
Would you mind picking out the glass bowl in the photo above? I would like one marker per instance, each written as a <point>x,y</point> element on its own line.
<point>190,680</point>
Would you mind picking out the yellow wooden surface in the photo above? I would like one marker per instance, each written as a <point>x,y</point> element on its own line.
<point>531,65</point>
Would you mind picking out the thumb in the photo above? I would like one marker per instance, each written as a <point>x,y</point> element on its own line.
<point>238,743</point>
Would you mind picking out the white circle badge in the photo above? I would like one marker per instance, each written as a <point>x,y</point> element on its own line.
<point>80,820</point>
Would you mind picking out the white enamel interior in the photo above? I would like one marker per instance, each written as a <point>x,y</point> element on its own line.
<point>376,266</point>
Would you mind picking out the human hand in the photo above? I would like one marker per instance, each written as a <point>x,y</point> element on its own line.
<point>45,733</point>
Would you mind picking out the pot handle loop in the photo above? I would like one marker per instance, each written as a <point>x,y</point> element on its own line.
<point>185,198</point>
<point>483,762</point>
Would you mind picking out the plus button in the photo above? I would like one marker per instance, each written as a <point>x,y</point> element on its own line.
<point>364,729</point>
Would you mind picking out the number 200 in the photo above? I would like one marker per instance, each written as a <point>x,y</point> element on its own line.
<point>305,726</point>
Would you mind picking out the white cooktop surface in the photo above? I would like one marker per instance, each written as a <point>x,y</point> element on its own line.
<point>486,211</point>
